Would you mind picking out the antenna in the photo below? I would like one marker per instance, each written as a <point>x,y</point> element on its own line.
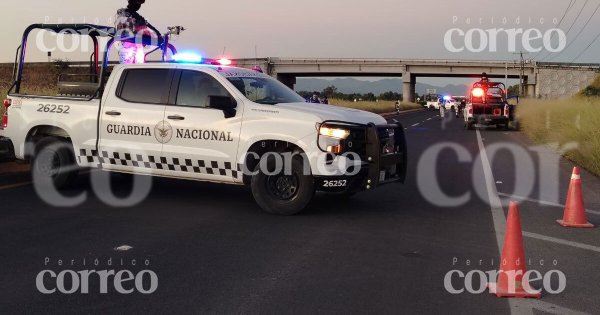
<point>255,55</point>
<point>256,66</point>
<point>224,50</point>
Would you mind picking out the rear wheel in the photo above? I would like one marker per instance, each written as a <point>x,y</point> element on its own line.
<point>279,193</point>
<point>54,163</point>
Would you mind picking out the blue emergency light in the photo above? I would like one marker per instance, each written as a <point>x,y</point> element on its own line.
<point>188,57</point>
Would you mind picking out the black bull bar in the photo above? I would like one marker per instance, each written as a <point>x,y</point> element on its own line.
<point>379,167</point>
<point>379,161</point>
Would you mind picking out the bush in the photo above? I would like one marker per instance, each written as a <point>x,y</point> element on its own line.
<point>593,90</point>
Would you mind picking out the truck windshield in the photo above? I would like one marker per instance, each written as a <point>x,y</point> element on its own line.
<point>264,90</point>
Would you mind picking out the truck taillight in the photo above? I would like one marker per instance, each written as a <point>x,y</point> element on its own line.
<point>7,103</point>
<point>506,111</point>
<point>478,92</point>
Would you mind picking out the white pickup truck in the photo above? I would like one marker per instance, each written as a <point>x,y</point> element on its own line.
<point>203,122</point>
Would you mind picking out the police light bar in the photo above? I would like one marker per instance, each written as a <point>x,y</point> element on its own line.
<point>187,57</point>
<point>198,59</point>
<point>447,98</point>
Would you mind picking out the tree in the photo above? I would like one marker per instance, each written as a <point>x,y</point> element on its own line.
<point>330,91</point>
<point>514,90</point>
<point>369,97</point>
<point>390,96</point>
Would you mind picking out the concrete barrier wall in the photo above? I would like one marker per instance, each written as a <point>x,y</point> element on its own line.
<point>563,83</point>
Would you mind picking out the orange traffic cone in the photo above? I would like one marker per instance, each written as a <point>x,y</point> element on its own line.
<point>575,210</point>
<point>513,265</point>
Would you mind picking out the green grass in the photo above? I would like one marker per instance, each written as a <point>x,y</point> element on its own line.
<point>575,120</point>
<point>380,107</point>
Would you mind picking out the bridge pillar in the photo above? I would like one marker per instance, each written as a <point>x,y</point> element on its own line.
<point>409,87</point>
<point>530,83</point>
<point>530,90</point>
<point>287,79</point>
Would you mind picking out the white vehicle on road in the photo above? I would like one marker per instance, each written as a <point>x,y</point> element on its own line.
<point>451,103</point>
<point>202,122</point>
<point>433,101</point>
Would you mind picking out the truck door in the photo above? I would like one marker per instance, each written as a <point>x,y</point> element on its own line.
<point>204,143</point>
<point>132,129</point>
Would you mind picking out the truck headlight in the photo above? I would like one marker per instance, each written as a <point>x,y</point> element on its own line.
<point>336,133</point>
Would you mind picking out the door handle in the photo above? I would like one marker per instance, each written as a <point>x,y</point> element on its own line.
<point>113,113</point>
<point>176,117</point>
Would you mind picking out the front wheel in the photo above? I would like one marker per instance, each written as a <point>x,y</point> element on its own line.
<point>286,191</point>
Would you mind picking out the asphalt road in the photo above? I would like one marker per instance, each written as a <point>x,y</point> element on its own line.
<point>382,252</point>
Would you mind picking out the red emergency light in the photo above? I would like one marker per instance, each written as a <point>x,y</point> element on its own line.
<point>225,62</point>
<point>478,92</point>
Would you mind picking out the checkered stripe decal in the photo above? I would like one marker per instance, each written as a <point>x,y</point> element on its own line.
<point>95,158</point>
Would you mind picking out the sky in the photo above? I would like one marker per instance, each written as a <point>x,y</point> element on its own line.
<point>327,28</point>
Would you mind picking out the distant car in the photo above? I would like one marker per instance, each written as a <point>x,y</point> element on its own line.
<point>435,104</point>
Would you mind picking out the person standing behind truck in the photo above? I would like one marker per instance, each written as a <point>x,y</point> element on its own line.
<point>131,25</point>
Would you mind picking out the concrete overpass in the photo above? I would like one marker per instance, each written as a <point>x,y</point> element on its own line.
<point>546,80</point>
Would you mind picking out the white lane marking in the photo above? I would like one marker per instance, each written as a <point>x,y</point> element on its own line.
<point>544,203</point>
<point>517,306</point>
<point>395,120</point>
<point>429,118</point>
<point>495,203</point>
<point>415,125</point>
<point>561,241</point>
<point>123,248</point>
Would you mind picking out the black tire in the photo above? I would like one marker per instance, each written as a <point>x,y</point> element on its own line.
<point>54,163</point>
<point>282,194</point>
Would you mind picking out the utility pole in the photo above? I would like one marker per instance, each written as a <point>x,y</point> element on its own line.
<point>522,73</point>
<point>506,75</point>
<point>522,76</point>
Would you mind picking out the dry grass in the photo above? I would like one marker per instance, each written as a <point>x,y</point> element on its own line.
<point>380,107</point>
<point>575,120</point>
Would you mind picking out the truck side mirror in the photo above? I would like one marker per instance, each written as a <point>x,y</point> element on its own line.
<point>225,103</point>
